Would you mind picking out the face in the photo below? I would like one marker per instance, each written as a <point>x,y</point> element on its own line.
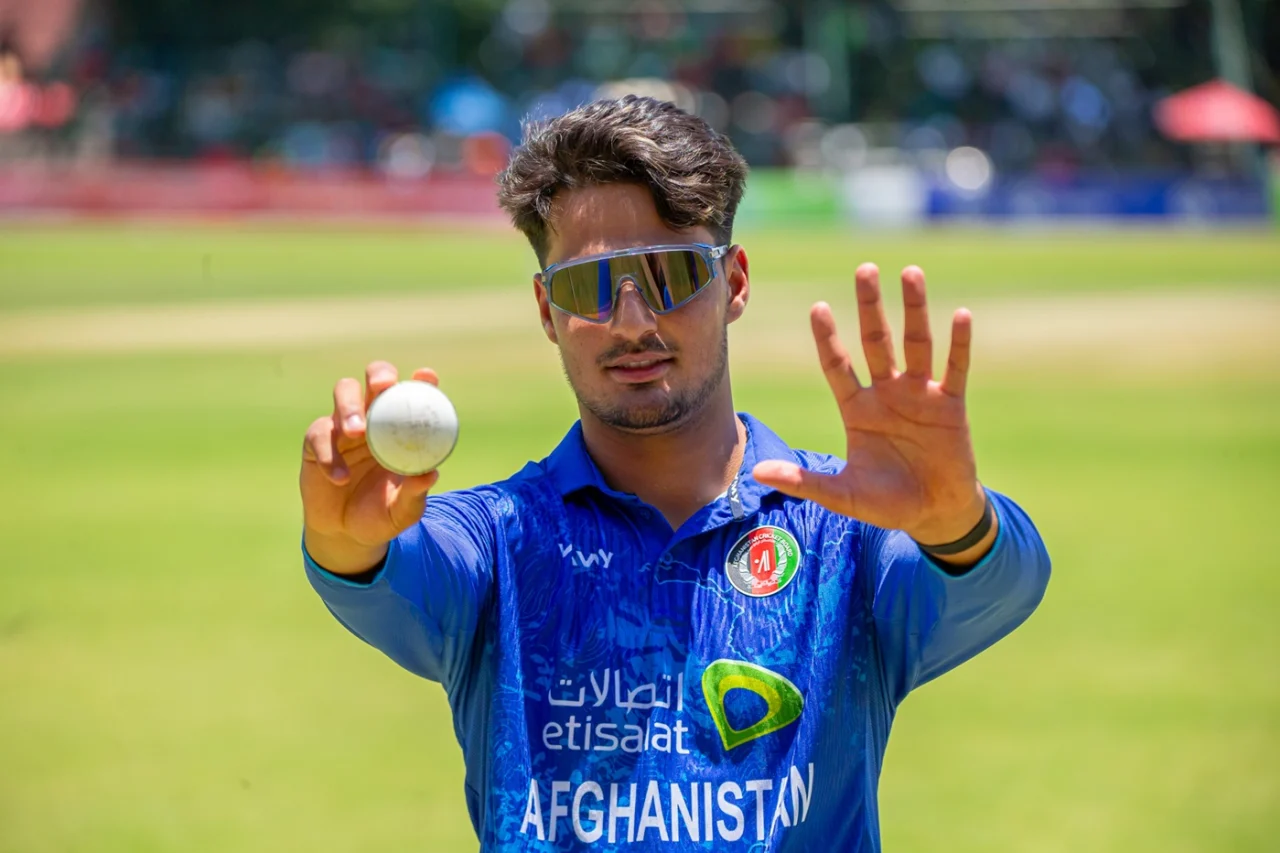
<point>640,371</point>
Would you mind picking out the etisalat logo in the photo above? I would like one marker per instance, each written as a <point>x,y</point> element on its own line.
<point>783,703</point>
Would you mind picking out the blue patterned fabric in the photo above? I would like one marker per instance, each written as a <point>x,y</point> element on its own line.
<point>612,688</point>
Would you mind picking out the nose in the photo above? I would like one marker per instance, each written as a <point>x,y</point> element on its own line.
<point>632,318</point>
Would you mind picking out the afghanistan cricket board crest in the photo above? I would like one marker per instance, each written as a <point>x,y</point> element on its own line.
<point>762,562</point>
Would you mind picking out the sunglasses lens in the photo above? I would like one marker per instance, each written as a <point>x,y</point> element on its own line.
<point>583,289</point>
<point>664,279</point>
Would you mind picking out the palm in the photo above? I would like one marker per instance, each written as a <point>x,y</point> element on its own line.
<point>909,456</point>
<point>360,508</point>
<point>907,441</point>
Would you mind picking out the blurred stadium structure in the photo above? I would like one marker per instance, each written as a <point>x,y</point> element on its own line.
<point>889,111</point>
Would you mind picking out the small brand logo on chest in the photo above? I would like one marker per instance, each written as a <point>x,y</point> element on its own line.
<point>585,559</point>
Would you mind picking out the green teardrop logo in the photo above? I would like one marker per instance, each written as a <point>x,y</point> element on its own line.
<point>783,701</point>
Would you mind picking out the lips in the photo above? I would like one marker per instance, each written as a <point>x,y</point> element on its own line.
<point>638,369</point>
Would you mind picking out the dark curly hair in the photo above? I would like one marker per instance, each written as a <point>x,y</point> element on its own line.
<point>695,175</point>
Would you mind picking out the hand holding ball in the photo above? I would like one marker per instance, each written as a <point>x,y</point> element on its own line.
<point>412,428</point>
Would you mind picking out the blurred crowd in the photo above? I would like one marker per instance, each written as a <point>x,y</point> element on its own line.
<point>429,87</point>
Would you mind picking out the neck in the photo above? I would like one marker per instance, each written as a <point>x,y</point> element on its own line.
<point>677,471</point>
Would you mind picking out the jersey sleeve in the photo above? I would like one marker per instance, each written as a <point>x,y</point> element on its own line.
<point>424,607</point>
<point>928,621</point>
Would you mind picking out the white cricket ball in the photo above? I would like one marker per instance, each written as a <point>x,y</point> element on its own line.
<point>412,428</point>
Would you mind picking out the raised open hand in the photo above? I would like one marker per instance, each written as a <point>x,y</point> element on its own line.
<point>910,457</point>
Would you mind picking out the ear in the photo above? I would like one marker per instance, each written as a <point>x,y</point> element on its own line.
<point>544,309</point>
<point>739,281</point>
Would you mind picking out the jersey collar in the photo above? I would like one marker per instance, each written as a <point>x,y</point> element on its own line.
<point>571,468</point>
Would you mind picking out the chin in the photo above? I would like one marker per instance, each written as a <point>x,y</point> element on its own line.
<point>650,418</point>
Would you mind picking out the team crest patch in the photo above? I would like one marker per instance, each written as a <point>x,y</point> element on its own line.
<point>763,561</point>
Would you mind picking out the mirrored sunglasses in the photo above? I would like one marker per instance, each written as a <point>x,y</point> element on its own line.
<point>665,276</point>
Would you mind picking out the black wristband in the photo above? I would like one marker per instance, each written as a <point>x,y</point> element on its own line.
<point>967,541</point>
<point>368,576</point>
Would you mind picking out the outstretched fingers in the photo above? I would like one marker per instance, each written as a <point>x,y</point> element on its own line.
<point>917,340</point>
<point>957,375</point>
<point>832,355</point>
<point>877,344</point>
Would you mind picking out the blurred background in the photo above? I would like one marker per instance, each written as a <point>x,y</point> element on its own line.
<point>920,109</point>
<point>210,212</point>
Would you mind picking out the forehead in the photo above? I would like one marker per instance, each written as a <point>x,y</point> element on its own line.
<point>601,218</point>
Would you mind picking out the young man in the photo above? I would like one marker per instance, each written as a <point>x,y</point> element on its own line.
<point>675,632</point>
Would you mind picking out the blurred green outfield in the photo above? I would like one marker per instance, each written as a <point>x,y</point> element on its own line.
<point>77,265</point>
<point>169,682</point>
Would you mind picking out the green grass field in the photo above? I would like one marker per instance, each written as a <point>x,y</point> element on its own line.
<point>169,682</point>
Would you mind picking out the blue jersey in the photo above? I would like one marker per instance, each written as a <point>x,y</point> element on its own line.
<point>729,685</point>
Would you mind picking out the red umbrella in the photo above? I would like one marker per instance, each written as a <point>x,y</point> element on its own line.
<point>1217,112</point>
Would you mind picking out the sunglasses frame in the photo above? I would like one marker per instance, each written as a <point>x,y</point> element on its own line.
<point>709,253</point>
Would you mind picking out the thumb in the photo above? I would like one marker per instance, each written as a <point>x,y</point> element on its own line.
<point>411,500</point>
<point>790,479</point>
<point>417,487</point>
